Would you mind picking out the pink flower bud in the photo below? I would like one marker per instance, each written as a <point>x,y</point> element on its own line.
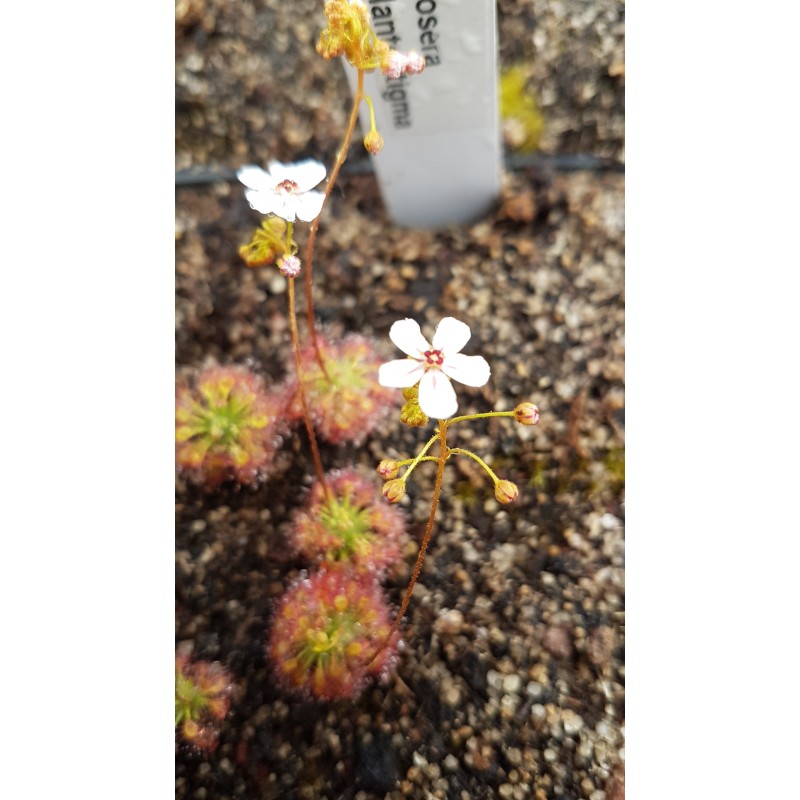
<point>415,63</point>
<point>289,266</point>
<point>526,414</point>
<point>388,469</point>
<point>506,491</point>
<point>394,490</point>
<point>394,64</point>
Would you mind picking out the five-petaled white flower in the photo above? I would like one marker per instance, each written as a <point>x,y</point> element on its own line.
<point>433,364</point>
<point>286,189</point>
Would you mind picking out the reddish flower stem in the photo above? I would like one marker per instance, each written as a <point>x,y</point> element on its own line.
<point>437,490</point>
<point>341,156</point>
<point>301,389</point>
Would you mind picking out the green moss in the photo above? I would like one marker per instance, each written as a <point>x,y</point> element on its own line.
<point>518,104</point>
<point>614,463</point>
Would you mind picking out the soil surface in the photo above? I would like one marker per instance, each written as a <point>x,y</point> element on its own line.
<point>511,680</point>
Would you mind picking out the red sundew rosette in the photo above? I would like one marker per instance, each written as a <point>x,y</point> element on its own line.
<point>214,681</point>
<point>262,420</point>
<point>375,531</point>
<point>352,404</point>
<point>214,684</point>
<point>325,628</point>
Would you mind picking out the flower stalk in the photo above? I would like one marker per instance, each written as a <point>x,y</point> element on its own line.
<point>425,376</point>
<point>301,390</point>
<point>341,156</point>
<point>444,454</point>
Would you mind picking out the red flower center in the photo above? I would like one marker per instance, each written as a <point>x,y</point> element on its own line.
<point>433,358</point>
<point>287,186</point>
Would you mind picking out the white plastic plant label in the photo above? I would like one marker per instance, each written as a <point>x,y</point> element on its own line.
<point>441,160</point>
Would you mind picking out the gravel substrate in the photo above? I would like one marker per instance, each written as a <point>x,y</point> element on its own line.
<point>511,680</point>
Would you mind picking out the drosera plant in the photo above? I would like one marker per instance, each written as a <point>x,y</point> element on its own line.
<point>227,425</point>
<point>289,191</point>
<point>202,700</point>
<point>353,525</point>
<point>425,376</point>
<point>332,631</point>
<point>347,403</point>
<point>323,628</point>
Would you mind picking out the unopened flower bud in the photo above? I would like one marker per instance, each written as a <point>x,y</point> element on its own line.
<point>526,414</point>
<point>394,64</point>
<point>415,63</point>
<point>388,469</point>
<point>506,491</point>
<point>373,142</point>
<point>289,266</point>
<point>394,490</point>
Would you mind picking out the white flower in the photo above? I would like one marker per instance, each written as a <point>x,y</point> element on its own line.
<point>285,190</point>
<point>433,365</point>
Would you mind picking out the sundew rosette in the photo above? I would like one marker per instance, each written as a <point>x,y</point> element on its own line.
<point>325,628</point>
<point>350,405</point>
<point>351,524</point>
<point>227,425</point>
<point>202,700</point>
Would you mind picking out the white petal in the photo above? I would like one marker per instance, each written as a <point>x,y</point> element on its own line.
<point>469,370</point>
<point>437,397</point>
<point>280,172</point>
<point>286,208</point>
<point>263,202</point>
<point>405,333</point>
<point>282,205</point>
<point>401,373</point>
<point>306,174</point>
<point>309,205</point>
<point>451,335</point>
<point>255,178</point>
